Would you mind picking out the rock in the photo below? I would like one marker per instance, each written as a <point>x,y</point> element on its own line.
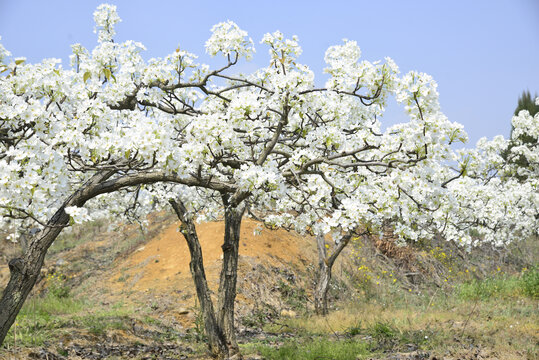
<point>288,313</point>
<point>61,262</point>
<point>183,311</point>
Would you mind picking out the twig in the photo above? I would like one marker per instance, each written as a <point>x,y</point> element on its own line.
<point>469,316</point>
<point>432,298</point>
<point>330,328</point>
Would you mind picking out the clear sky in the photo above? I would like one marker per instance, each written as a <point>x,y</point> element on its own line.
<point>482,53</point>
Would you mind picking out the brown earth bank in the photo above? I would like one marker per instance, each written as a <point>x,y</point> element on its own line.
<point>160,268</point>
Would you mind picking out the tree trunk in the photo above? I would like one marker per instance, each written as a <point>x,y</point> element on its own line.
<point>325,264</point>
<point>25,271</point>
<point>229,272</point>
<point>324,276</point>
<point>217,341</point>
<point>321,291</point>
<point>24,274</point>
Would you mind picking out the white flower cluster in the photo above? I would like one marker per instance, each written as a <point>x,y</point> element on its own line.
<point>105,18</point>
<point>313,159</point>
<point>77,214</point>
<point>227,38</point>
<point>3,52</point>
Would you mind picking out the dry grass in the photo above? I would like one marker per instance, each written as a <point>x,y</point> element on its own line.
<point>507,328</point>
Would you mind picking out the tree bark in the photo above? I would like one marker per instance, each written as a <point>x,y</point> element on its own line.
<point>324,276</point>
<point>325,264</point>
<point>24,274</point>
<point>229,272</point>
<point>217,340</point>
<point>321,291</point>
<point>25,271</point>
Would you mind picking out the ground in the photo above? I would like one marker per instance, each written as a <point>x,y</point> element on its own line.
<point>126,293</point>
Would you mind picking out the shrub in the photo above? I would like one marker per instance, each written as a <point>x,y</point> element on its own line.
<point>57,286</point>
<point>529,282</point>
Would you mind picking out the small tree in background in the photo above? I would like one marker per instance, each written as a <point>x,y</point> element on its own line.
<point>525,102</point>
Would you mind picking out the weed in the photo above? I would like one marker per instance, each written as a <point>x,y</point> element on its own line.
<point>354,329</point>
<point>100,322</point>
<point>40,317</point>
<point>381,330</point>
<point>260,316</point>
<point>57,285</point>
<point>44,318</point>
<point>385,336</point>
<point>78,234</point>
<point>123,277</point>
<point>197,332</point>
<point>502,286</point>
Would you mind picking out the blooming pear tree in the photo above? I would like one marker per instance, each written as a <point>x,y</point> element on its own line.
<point>469,196</point>
<point>69,136</point>
<point>116,133</point>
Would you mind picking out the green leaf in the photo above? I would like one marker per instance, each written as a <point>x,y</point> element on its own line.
<point>18,62</point>
<point>86,76</point>
<point>107,73</point>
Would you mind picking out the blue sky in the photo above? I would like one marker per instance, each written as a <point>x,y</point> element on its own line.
<point>482,53</point>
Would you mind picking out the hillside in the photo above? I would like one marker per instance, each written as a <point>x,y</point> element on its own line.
<point>160,268</point>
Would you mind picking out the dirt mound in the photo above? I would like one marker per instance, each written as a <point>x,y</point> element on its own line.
<point>158,272</point>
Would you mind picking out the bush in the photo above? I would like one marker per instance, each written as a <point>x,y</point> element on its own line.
<point>529,282</point>
<point>57,286</point>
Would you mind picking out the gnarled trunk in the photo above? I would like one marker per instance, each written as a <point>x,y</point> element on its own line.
<point>324,276</point>
<point>229,272</point>
<point>217,341</point>
<point>218,326</point>
<point>321,290</point>
<point>325,264</point>
<point>24,274</point>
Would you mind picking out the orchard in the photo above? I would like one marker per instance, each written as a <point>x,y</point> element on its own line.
<point>112,134</point>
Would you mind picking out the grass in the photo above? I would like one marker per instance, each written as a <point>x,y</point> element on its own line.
<point>76,235</point>
<point>502,286</point>
<point>386,316</point>
<point>44,318</point>
<point>499,313</point>
<point>315,350</point>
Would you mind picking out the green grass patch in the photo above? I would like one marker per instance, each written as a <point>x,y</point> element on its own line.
<point>76,235</point>
<point>501,286</point>
<point>44,318</point>
<point>41,318</point>
<point>316,349</point>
